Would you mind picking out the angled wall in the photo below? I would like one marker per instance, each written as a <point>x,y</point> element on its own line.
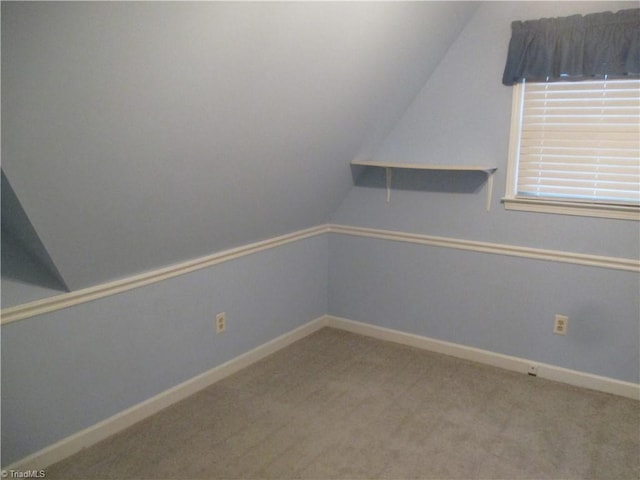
<point>25,261</point>
<point>140,134</point>
<point>503,304</point>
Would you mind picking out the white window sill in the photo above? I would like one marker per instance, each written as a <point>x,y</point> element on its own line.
<point>625,212</point>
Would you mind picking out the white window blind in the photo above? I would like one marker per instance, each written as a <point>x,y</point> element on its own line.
<point>580,142</point>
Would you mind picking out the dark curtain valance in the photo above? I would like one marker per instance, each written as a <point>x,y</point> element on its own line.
<point>575,48</point>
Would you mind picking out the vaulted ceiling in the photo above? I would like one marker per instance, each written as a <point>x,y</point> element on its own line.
<point>136,135</point>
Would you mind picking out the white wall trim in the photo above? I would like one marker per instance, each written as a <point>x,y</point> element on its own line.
<point>65,300</point>
<point>615,263</point>
<point>507,362</point>
<point>623,212</point>
<point>118,422</point>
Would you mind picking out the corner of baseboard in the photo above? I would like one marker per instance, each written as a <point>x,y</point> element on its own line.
<point>124,419</point>
<point>507,362</point>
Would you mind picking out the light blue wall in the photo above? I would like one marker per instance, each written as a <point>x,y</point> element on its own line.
<point>502,304</point>
<point>65,371</point>
<point>200,125</point>
<point>462,116</point>
<point>27,270</point>
<point>494,302</point>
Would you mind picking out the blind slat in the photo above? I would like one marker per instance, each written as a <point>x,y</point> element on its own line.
<point>610,112</point>
<point>625,138</point>
<point>602,181</point>
<point>561,151</point>
<point>587,194</point>
<point>580,160</point>
<point>582,128</point>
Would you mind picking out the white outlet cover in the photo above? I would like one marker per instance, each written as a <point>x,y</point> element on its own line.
<point>221,322</point>
<point>561,325</point>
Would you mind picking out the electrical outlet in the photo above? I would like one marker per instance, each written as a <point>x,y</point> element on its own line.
<point>561,325</point>
<point>533,370</point>
<point>221,322</point>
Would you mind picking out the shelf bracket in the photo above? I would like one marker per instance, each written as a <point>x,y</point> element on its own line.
<point>388,178</point>
<point>489,188</point>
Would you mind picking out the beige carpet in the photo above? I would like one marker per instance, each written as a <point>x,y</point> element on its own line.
<point>339,405</point>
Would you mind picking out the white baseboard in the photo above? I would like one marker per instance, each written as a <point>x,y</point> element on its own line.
<point>550,372</point>
<point>118,422</point>
<point>110,426</point>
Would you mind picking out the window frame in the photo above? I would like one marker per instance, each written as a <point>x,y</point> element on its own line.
<point>512,201</point>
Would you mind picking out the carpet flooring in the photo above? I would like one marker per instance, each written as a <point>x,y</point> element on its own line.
<point>336,405</point>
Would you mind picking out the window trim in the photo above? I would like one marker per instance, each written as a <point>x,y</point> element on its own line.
<point>512,201</point>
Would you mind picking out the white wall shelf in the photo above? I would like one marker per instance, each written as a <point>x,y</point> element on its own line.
<point>389,166</point>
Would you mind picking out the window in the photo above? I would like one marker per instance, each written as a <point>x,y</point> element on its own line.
<point>575,148</point>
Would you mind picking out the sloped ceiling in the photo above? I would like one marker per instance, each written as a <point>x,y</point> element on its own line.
<point>136,135</point>
<point>24,258</point>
